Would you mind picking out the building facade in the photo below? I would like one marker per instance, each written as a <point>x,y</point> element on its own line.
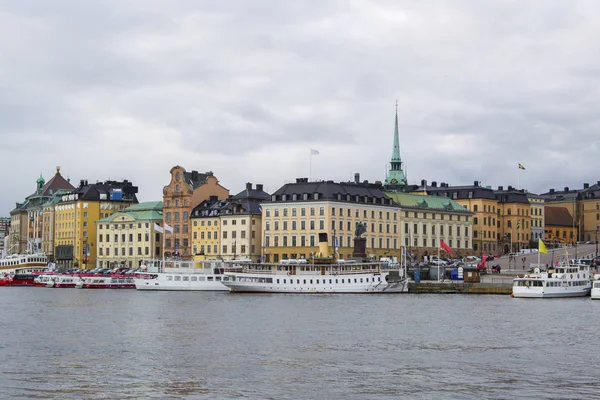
<point>230,229</point>
<point>126,238</point>
<point>4,232</point>
<point>426,220</point>
<point>75,216</point>
<point>479,200</point>
<point>559,226</point>
<point>184,192</point>
<point>514,219</point>
<point>537,216</point>
<point>298,212</point>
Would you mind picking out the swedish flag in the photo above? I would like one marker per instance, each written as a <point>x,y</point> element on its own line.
<point>521,166</point>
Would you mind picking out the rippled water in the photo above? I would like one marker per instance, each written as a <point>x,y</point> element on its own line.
<point>70,343</point>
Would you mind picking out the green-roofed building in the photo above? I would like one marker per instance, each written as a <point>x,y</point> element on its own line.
<point>425,220</point>
<point>127,237</point>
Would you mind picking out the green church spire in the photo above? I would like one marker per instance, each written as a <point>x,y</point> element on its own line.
<point>396,175</point>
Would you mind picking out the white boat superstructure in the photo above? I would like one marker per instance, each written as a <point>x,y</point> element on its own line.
<point>63,281</point>
<point>23,263</point>
<point>595,292</point>
<point>182,275</point>
<point>566,280</point>
<point>336,277</point>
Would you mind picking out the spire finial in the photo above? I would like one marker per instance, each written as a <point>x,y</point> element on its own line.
<point>396,106</point>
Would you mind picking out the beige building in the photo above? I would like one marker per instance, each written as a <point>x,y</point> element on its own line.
<point>537,216</point>
<point>126,238</point>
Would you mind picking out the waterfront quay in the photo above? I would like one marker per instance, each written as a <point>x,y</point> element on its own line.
<point>510,268</point>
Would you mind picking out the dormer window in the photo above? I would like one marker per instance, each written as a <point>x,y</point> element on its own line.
<point>283,197</point>
<point>316,196</point>
<point>339,196</point>
<point>305,196</point>
<point>294,197</point>
<point>273,198</point>
<point>347,197</point>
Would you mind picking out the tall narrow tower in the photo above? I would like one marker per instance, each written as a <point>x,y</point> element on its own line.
<point>396,175</point>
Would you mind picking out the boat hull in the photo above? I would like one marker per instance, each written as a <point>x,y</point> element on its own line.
<point>313,284</point>
<point>532,293</point>
<point>161,283</point>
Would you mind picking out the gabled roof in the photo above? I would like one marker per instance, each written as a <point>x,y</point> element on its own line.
<point>209,209</point>
<point>56,183</point>
<point>432,203</point>
<point>557,216</point>
<point>253,194</point>
<point>195,179</point>
<point>462,192</point>
<point>511,196</point>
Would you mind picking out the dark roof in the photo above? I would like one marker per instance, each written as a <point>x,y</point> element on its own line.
<point>235,207</point>
<point>107,190</point>
<point>195,179</point>
<point>257,193</point>
<point>587,192</point>
<point>511,196</point>
<point>557,216</point>
<point>462,192</point>
<point>330,190</point>
<point>209,208</point>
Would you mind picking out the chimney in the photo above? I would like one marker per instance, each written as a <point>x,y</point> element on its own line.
<point>259,187</point>
<point>510,187</point>
<point>249,186</point>
<point>357,178</point>
<point>551,190</point>
<point>476,183</point>
<point>434,184</point>
<point>567,189</point>
<point>81,182</point>
<point>194,175</point>
<point>500,187</point>
<point>586,185</point>
<point>423,182</point>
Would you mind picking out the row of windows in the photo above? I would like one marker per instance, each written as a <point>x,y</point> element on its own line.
<point>124,251</point>
<point>390,243</point>
<point>176,242</point>
<point>340,197</point>
<point>127,237</point>
<point>176,215</point>
<point>340,213</point>
<point>433,229</point>
<point>123,226</point>
<point>177,202</point>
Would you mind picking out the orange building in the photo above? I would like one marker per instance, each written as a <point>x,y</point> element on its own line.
<point>185,191</point>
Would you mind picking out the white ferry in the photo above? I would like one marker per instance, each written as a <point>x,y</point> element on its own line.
<point>106,282</point>
<point>319,275</point>
<point>63,281</point>
<point>596,287</point>
<point>182,275</point>
<point>567,280</point>
<point>23,263</point>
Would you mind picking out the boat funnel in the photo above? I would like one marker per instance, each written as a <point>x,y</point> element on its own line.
<point>323,245</point>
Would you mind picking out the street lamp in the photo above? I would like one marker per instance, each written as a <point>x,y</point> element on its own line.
<point>597,227</point>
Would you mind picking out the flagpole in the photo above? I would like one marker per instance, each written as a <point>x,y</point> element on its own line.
<point>310,166</point>
<point>538,253</point>
<point>438,262</point>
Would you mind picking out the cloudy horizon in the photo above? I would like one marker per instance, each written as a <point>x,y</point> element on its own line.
<point>127,90</point>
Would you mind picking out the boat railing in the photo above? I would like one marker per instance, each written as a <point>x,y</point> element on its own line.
<point>306,269</point>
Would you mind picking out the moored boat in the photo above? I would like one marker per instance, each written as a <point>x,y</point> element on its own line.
<point>63,281</point>
<point>182,275</point>
<point>18,280</point>
<point>565,280</point>
<point>106,282</point>
<point>323,274</point>
<point>23,263</point>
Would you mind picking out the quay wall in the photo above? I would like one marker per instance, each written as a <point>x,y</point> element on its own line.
<point>459,287</point>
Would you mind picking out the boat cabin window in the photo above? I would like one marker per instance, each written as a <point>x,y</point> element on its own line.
<point>186,278</point>
<point>169,277</point>
<point>210,278</point>
<point>218,278</point>
<point>194,278</point>
<point>178,278</point>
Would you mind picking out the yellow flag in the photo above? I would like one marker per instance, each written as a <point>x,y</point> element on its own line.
<point>542,247</point>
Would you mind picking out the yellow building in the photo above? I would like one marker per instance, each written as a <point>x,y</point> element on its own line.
<point>514,219</point>
<point>206,229</point>
<point>559,226</point>
<point>75,216</point>
<point>126,238</point>
<point>229,229</point>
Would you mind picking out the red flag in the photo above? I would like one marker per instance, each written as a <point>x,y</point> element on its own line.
<point>483,260</point>
<point>444,246</point>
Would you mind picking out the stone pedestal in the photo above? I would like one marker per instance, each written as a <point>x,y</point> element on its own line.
<point>360,248</point>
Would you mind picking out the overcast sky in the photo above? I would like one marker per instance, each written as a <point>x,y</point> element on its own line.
<point>128,89</point>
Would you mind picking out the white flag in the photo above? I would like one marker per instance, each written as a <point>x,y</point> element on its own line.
<point>158,228</point>
<point>314,152</point>
<point>168,228</point>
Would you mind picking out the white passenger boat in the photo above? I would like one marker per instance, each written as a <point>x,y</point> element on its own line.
<point>106,282</point>
<point>566,280</point>
<point>323,274</point>
<point>182,275</point>
<point>23,263</point>
<point>63,281</point>
<point>596,287</point>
